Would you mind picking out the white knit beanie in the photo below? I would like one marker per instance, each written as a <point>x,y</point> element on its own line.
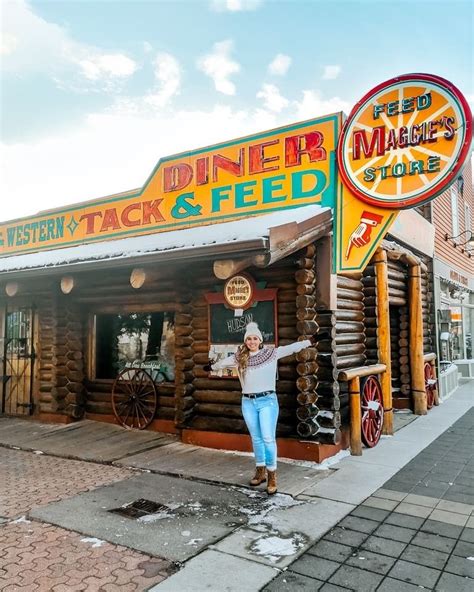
<point>253,330</point>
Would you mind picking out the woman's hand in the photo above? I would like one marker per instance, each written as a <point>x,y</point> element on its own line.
<point>208,366</point>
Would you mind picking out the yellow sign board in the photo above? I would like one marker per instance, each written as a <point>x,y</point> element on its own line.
<point>405,141</point>
<point>359,229</point>
<point>284,168</point>
<point>402,145</point>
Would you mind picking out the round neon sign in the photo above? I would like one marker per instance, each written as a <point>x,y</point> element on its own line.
<point>405,141</point>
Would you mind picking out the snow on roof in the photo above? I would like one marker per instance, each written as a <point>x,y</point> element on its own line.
<point>242,230</point>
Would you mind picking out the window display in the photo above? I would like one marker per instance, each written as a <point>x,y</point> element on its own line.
<point>144,340</point>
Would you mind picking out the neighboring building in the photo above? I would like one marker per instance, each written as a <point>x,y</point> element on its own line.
<point>453,219</point>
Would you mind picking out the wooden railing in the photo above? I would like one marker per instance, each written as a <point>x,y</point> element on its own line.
<point>353,376</point>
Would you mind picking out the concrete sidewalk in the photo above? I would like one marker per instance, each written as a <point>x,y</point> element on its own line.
<point>336,506</point>
<point>213,528</point>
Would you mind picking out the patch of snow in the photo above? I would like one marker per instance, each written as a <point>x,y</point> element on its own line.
<point>193,541</point>
<point>94,542</point>
<point>185,533</point>
<point>37,452</point>
<point>188,240</point>
<point>21,520</point>
<point>155,517</point>
<point>470,558</point>
<point>274,547</point>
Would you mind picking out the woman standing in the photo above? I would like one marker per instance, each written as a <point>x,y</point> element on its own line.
<point>257,367</point>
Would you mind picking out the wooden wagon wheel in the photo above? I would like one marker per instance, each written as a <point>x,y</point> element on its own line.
<point>134,398</point>
<point>430,383</point>
<point>372,411</point>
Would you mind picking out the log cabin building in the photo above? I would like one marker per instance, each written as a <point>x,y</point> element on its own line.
<point>115,319</point>
<point>74,318</point>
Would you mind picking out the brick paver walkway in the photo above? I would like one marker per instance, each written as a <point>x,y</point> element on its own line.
<point>37,557</point>
<point>417,532</point>
<point>29,480</point>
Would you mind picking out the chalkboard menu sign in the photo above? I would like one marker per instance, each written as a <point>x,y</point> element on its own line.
<point>227,325</point>
<point>227,328</point>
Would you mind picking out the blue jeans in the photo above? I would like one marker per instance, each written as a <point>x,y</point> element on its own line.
<point>261,417</point>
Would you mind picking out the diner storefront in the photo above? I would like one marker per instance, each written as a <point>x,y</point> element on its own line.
<point>110,309</point>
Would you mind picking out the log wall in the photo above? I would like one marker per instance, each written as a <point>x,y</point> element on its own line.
<point>218,400</point>
<point>45,367</point>
<point>307,368</point>
<point>397,271</point>
<point>60,357</point>
<point>112,293</point>
<point>351,340</point>
<point>427,302</point>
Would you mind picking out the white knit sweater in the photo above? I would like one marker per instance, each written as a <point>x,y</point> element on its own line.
<point>260,374</point>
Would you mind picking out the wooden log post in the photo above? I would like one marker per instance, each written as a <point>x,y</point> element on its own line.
<point>416,340</point>
<point>12,289</point>
<point>68,283</point>
<point>356,417</point>
<point>383,317</point>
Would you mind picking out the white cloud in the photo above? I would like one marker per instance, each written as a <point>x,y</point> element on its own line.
<point>168,76</point>
<point>34,45</point>
<point>9,43</point>
<point>102,66</point>
<point>313,105</point>
<point>92,160</point>
<point>280,64</point>
<point>272,99</point>
<point>331,72</point>
<point>235,5</point>
<point>219,66</point>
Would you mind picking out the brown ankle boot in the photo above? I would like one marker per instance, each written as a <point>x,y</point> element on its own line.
<point>272,482</point>
<point>259,477</point>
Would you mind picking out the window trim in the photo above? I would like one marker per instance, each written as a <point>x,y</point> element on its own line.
<point>454,212</point>
<point>116,309</point>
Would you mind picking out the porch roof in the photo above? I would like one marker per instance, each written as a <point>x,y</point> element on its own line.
<point>271,236</point>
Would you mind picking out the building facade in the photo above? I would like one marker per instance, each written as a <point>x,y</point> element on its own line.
<point>453,220</point>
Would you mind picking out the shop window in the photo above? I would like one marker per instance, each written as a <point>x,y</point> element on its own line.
<point>454,212</point>
<point>467,217</point>
<point>143,340</point>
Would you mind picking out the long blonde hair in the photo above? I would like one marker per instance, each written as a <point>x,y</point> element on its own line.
<point>243,355</point>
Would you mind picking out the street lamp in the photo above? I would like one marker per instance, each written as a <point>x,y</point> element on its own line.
<point>468,241</point>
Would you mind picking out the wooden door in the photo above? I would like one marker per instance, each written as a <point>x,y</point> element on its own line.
<point>18,361</point>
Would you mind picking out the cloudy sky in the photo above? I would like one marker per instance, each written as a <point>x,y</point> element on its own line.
<point>93,93</point>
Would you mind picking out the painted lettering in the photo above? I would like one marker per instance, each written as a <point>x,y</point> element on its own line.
<point>177,176</point>
<point>301,180</point>
<point>270,185</point>
<point>242,190</point>
<point>125,217</point>
<point>110,221</point>
<point>151,209</point>
<point>258,160</point>
<point>361,143</point>
<point>310,144</point>
<point>235,168</point>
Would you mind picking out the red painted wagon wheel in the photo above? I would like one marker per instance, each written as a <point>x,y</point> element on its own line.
<point>372,411</point>
<point>134,398</point>
<point>430,383</point>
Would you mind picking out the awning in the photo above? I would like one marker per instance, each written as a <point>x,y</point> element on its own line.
<point>259,240</point>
